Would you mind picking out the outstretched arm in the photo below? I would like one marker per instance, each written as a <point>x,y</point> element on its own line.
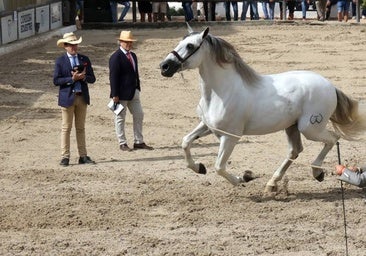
<point>354,176</point>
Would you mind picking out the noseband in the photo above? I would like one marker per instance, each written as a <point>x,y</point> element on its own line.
<point>182,60</point>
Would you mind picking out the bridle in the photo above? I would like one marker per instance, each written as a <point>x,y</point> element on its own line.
<point>182,60</point>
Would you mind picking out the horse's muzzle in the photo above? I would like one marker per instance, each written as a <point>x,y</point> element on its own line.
<point>169,67</point>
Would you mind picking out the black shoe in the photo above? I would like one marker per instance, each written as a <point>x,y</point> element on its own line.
<point>64,162</point>
<point>85,160</point>
<point>124,147</point>
<point>142,146</point>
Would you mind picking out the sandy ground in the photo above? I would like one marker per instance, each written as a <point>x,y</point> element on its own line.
<point>148,202</point>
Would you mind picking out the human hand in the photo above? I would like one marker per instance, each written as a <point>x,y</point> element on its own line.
<point>116,99</point>
<point>340,169</point>
<point>354,169</point>
<point>76,76</point>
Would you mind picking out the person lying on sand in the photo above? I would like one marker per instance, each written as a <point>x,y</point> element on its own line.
<point>352,175</point>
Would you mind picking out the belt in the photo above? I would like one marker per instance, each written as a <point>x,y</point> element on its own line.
<point>78,93</point>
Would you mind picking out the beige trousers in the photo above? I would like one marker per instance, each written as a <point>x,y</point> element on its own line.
<point>135,108</point>
<point>78,109</point>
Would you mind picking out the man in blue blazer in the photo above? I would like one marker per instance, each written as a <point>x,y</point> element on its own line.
<point>72,74</point>
<point>125,90</point>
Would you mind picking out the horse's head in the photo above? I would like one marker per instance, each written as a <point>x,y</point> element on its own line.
<point>184,56</point>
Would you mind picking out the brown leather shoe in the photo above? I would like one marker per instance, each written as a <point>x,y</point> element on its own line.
<point>124,147</point>
<point>142,146</point>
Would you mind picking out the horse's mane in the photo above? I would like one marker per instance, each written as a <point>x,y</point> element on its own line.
<point>225,53</point>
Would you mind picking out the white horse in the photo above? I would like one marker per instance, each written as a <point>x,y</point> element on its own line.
<point>236,101</point>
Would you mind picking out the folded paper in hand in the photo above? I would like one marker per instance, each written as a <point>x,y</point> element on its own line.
<point>115,107</point>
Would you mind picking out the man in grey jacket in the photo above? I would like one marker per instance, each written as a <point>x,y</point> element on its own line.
<point>352,175</point>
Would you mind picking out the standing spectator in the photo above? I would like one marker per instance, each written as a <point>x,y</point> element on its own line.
<point>253,9</point>
<point>188,12</point>
<point>198,11</point>
<point>79,13</point>
<point>342,9</point>
<point>195,10</point>
<point>304,8</point>
<point>210,10</point>
<point>159,11</point>
<point>354,7</point>
<point>291,9</point>
<point>125,89</point>
<point>73,72</point>
<point>320,9</point>
<point>80,9</point>
<point>291,4</point>
<point>168,15</point>
<point>145,8</point>
<point>266,14</point>
<point>328,8</point>
<point>271,6</point>
<point>234,4</point>
<point>114,4</point>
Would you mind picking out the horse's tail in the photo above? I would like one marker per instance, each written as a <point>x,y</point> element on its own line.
<point>347,119</point>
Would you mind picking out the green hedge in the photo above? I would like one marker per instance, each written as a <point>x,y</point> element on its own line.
<point>179,12</point>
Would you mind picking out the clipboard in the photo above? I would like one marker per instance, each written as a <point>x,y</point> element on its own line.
<point>116,108</point>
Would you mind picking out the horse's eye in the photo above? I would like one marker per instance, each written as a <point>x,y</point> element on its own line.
<point>190,46</point>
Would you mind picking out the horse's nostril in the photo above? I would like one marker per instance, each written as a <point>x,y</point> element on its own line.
<point>165,67</point>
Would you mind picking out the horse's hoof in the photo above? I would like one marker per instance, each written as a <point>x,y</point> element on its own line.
<point>202,169</point>
<point>320,177</point>
<point>248,176</point>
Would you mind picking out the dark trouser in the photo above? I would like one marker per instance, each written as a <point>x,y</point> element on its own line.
<point>212,14</point>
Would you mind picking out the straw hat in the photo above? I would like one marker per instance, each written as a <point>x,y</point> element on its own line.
<point>69,38</point>
<point>126,36</point>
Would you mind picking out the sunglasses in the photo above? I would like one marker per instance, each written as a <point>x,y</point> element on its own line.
<point>67,44</point>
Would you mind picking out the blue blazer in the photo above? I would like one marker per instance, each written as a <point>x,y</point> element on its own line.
<point>124,80</point>
<point>62,77</point>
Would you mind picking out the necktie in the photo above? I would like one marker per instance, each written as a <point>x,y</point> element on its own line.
<point>77,85</point>
<point>73,61</point>
<point>129,57</point>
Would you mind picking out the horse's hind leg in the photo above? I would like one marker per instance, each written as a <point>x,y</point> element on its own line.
<point>329,138</point>
<point>227,144</point>
<point>295,148</point>
<point>200,131</point>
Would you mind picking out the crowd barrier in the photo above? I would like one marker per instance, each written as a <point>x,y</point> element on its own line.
<point>53,14</point>
<point>30,21</point>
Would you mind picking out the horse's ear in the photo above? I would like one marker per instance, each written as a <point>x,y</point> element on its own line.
<point>205,33</point>
<point>190,30</point>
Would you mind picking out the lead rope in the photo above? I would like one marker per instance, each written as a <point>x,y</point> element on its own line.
<point>344,208</point>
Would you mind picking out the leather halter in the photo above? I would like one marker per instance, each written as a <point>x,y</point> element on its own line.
<point>182,60</point>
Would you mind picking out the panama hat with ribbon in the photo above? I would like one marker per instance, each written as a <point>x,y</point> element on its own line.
<point>69,38</point>
<point>126,36</point>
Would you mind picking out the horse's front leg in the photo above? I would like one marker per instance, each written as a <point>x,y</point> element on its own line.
<point>200,131</point>
<point>227,144</point>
